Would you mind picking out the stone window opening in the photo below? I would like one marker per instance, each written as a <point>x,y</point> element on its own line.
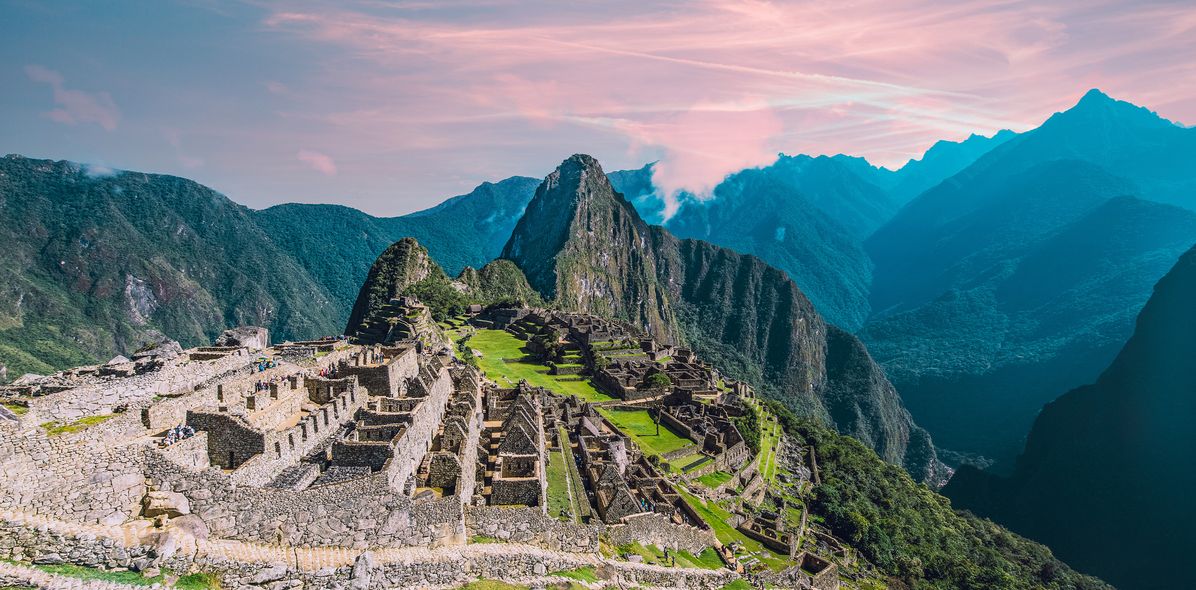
<point>277,450</point>
<point>291,439</point>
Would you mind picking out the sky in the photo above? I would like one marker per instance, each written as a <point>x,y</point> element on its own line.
<point>392,107</point>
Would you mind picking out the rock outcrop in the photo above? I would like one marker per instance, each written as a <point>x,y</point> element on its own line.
<point>583,245</point>
<point>251,337</point>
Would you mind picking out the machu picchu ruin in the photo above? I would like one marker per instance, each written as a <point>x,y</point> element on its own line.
<point>300,461</point>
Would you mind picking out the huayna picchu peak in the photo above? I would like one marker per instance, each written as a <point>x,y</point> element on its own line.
<point>584,246</point>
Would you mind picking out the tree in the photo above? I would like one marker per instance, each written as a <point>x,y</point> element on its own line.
<point>659,381</point>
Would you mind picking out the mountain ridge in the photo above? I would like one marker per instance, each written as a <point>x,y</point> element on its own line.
<point>584,246</point>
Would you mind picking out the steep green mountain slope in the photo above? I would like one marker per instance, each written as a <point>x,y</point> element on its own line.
<point>96,264</point>
<point>1020,276</point>
<point>912,534</point>
<point>1107,471</point>
<point>406,268</point>
<point>337,244</point>
<point>583,245</point>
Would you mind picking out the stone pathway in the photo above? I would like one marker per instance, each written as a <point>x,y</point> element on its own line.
<point>19,575</point>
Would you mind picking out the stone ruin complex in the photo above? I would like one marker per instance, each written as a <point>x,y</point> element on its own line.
<point>296,463</point>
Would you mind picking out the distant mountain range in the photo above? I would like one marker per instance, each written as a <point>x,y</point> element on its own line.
<point>986,277</point>
<point>1107,469</point>
<point>1019,277</point>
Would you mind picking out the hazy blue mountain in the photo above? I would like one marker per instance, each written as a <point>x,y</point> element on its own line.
<point>943,160</point>
<point>1020,276</point>
<point>807,215</point>
<point>765,212</point>
<point>1107,472</point>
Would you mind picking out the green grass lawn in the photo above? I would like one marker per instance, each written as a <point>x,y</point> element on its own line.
<point>770,437</point>
<point>200,581</point>
<point>582,574</point>
<point>581,503</point>
<point>559,505</point>
<point>504,361</point>
<point>638,424</point>
<point>691,462</point>
<point>55,428</point>
<point>707,559</point>
<point>718,518</point>
<point>17,409</point>
<point>715,479</point>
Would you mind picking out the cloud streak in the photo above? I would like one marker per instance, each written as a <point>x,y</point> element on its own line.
<point>75,106</point>
<point>317,161</point>
<point>420,100</point>
<point>719,85</point>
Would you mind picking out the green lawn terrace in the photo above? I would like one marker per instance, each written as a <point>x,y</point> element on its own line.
<point>507,360</point>
<point>652,438</point>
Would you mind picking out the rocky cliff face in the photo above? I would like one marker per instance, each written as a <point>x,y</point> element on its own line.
<point>1107,473</point>
<point>583,245</point>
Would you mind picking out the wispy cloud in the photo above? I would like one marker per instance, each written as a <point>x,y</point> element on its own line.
<point>75,106</point>
<point>416,100</point>
<point>316,161</point>
<point>722,84</point>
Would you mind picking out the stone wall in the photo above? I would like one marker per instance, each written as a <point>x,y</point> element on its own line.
<point>136,392</point>
<point>530,525</point>
<point>271,568</point>
<point>190,452</point>
<point>64,476</point>
<point>356,513</point>
<point>656,529</point>
<point>410,446</point>
<point>388,379</point>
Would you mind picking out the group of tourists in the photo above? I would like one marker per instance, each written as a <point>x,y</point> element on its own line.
<point>176,434</point>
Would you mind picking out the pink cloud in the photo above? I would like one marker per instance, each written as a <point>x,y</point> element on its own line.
<point>75,106</point>
<point>710,87</point>
<point>705,144</point>
<point>319,162</point>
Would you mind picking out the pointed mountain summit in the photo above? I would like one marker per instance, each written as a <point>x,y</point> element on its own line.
<point>583,245</point>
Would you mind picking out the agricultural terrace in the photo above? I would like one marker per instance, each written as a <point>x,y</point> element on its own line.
<point>639,425</point>
<point>506,362</point>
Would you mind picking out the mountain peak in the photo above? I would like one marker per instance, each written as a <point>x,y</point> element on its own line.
<point>1096,106</point>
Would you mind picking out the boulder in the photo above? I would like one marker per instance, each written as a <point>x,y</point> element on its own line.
<point>29,379</point>
<point>251,337</point>
<point>271,573</point>
<point>191,525</point>
<point>362,572</point>
<point>170,504</point>
<point>160,348</point>
<point>118,360</point>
